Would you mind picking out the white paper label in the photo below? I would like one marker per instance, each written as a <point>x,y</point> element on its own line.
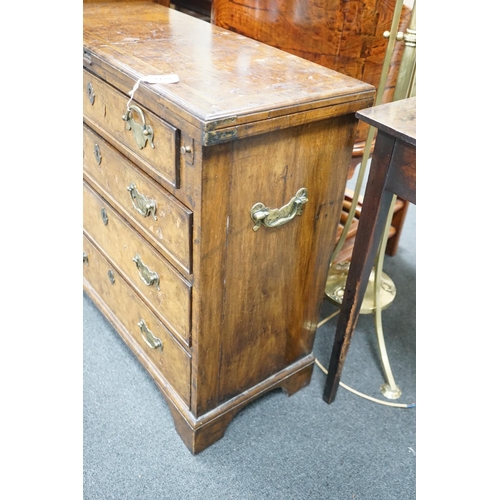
<point>170,78</point>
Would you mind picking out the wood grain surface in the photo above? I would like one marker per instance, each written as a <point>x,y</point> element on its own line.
<point>222,75</point>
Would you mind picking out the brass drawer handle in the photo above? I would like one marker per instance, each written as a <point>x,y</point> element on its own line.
<point>149,338</point>
<point>85,258</point>
<point>141,132</point>
<point>275,217</point>
<point>150,278</point>
<point>142,204</point>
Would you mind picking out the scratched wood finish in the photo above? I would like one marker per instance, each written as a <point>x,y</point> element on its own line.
<point>252,128</point>
<point>223,76</point>
<point>344,35</point>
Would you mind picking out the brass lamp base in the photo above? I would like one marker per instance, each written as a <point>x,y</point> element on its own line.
<point>335,287</point>
<point>390,392</point>
<point>334,290</point>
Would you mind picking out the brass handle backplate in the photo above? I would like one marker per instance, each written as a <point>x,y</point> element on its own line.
<point>150,278</point>
<point>142,204</point>
<point>275,217</point>
<point>87,58</point>
<point>142,132</point>
<point>149,338</point>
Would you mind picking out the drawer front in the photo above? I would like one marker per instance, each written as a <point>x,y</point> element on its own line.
<point>149,274</point>
<point>155,213</point>
<point>154,340</point>
<point>106,107</point>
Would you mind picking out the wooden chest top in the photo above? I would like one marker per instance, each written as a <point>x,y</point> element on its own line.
<point>226,79</point>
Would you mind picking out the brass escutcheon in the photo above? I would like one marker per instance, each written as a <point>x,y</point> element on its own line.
<point>90,93</point>
<point>142,204</point>
<point>141,132</point>
<point>104,216</point>
<point>149,338</point>
<point>275,217</point>
<point>97,154</point>
<point>150,278</point>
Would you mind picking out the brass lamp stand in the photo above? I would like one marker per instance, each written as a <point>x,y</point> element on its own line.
<point>381,290</point>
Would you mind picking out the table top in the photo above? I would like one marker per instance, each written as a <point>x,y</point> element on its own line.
<point>398,118</point>
<point>222,74</point>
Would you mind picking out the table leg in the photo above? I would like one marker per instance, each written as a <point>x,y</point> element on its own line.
<point>376,205</point>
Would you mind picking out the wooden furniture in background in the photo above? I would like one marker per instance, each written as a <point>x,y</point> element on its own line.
<point>343,35</point>
<point>393,172</point>
<point>206,251</point>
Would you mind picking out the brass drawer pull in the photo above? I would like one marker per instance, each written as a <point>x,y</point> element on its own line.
<point>142,204</point>
<point>149,338</point>
<point>111,276</point>
<point>141,132</point>
<point>85,258</point>
<point>275,217</point>
<point>150,278</point>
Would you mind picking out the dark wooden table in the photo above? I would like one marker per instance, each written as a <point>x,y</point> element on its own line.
<point>393,172</point>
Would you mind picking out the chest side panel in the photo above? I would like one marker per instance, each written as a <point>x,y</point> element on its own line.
<point>266,285</point>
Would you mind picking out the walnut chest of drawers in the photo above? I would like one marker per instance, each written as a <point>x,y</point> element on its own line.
<point>210,204</point>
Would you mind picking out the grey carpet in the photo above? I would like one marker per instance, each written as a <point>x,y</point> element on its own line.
<point>278,447</point>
